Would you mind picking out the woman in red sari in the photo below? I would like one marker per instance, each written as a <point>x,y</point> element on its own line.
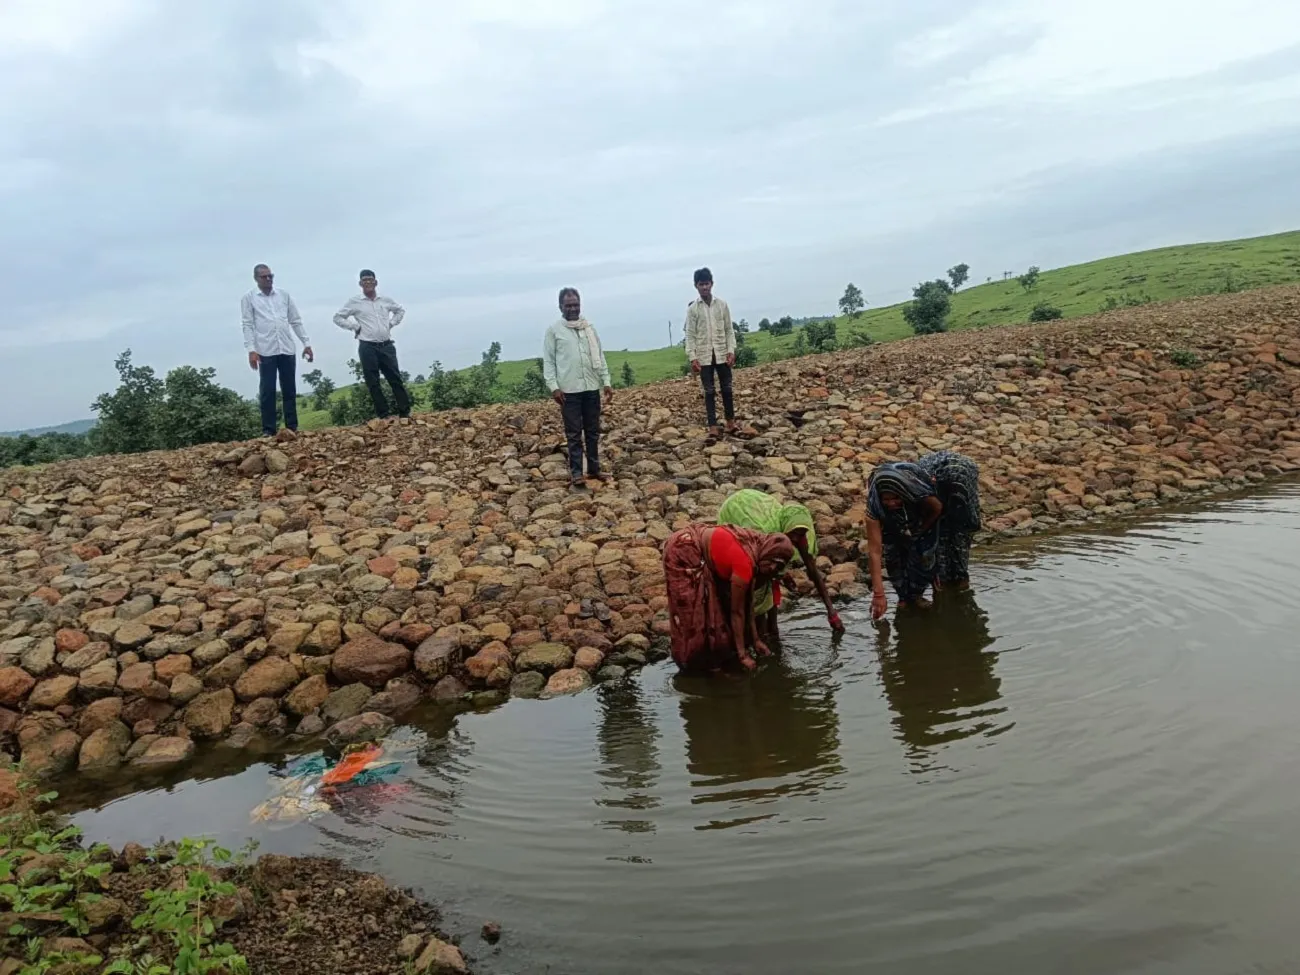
<point>712,573</point>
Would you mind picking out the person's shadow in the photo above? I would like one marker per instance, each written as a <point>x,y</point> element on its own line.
<point>939,678</point>
<point>753,739</point>
<point>629,757</point>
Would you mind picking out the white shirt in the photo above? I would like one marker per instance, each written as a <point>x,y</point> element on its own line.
<point>709,335</point>
<point>267,320</point>
<point>370,319</point>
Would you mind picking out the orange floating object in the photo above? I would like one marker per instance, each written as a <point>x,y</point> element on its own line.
<point>351,765</point>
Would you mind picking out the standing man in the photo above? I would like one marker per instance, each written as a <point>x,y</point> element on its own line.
<point>371,317</point>
<point>574,367</point>
<point>271,320</point>
<point>711,349</point>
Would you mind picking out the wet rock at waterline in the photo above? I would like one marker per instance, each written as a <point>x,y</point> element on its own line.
<point>238,589</point>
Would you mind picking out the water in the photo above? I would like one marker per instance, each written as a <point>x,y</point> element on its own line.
<point>1087,766</point>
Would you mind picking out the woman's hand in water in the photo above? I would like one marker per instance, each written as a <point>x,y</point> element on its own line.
<point>761,649</point>
<point>879,605</point>
<point>748,662</point>
<point>836,624</point>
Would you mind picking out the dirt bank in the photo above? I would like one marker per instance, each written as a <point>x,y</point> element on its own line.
<point>332,581</point>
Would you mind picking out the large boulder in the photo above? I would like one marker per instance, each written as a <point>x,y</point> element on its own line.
<point>104,749</point>
<point>307,696</point>
<point>269,677</point>
<point>545,657</point>
<point>164,753</point>
<point>370,660</point>
<point>436,656</point>
<point>209,715</point>
<point>367,726</point>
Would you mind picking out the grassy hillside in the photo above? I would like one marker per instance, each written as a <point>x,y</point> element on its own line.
<point>76,426</point>
<point>1081,289</point>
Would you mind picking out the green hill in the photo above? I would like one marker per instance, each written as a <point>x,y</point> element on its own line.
<point>1081,289</point>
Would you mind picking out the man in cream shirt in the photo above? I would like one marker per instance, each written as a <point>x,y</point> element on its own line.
<point>270,321</point>
<point>711,349</point>
<point>371,317</point>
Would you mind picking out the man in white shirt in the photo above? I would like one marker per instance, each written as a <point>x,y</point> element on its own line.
<point>271,320</point>
<point>371,317</point>
<point>711,349</point>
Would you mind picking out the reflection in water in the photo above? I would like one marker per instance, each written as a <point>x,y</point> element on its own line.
<point>938,677</point>
<point>753,740</point>
<point>629,754</point>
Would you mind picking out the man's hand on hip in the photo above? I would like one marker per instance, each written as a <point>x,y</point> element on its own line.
<point>253,360</point>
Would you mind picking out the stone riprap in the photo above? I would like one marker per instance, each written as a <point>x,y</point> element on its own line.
<point>230,592</point>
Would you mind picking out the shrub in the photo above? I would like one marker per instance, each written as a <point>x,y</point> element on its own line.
<point>927,312</point>
<point>1185,359</point>
<point>1043,312</point>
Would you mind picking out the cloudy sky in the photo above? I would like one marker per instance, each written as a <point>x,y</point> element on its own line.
<point>481,154</point>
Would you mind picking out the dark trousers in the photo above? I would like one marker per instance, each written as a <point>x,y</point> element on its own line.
<point>723,372</point>
<point>268,368</point>
<point>377,357</point>
<point>582,423</point>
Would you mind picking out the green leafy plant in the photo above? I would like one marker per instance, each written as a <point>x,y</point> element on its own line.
<point>1185,359</point>
<point>1044,312</point>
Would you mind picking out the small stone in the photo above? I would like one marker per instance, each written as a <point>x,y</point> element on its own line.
<point>570,681</point>
<point>269,677</point>
<point>410,946</point>
<point>308,696</point>
<point>448,690</point>
<point>185,688</point>
<point>104,749</point>
<point>545,657</point>
<point>370,660</point>
<point>490,932</point>
<point>15,685</point>
<point>440,958</point>
<point>210,715</point>
<point>346,702</point>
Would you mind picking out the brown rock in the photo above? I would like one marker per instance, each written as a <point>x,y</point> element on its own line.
<point>53,693</point>
<point>172,666</point>
<point>269,677</point>
<point>15,685</point>
<point>436,656</point>
<point>51,756</point>
<point>135,678</point>
<point>588,659</point>
<point>104,749</point>
<point>209,715</point>
<point>307,696</point>
<point>440,958</point>
<point>70,641</point>
<point>367,726</point>
<point>165,753</point>
<point>545,657</point>
<point>370,660</point>
<point>569,681</point>
<point>99,714</point>
<point>185,688</point>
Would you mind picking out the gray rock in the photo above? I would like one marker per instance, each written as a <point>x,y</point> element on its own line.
<point>39,659</point>
<point>610,672</point>
<point>545,657</point>
<point>367,726</point>
<point>528,684</point>
<point>346,702</point>
<point>448,690</point>
<point>85,658</point>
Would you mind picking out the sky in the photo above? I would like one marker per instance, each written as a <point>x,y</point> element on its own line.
<point>481,155</point>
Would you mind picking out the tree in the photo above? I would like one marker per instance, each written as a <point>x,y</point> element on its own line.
<point>196,410</point>
<point>782,326</point>
<point>927,312</point>
<point>128,415</point>
<point>533,385</point>
<point>322,388</point>
<point>800,346</point>
<point>958,275</point>
<point>764,325</point>
<point>420,380</point>
<point>488,372</point>
<point>629,377</point>
<point>1043,312</point>
<point>741,327</point>
<point>852,302</point>
<point>1029,280</point>
<point>820,336</point>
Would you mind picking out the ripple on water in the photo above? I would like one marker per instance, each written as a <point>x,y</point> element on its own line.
<point>1084,766</point>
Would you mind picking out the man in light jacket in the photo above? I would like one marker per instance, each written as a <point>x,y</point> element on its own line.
<point>711,349</point>
<point>574,366</point>
<point>371,317</point>
<point>270,320</point>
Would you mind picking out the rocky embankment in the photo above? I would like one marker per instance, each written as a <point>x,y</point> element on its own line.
<point>334,580</point>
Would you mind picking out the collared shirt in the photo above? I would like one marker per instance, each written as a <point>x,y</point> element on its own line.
<point>567,364</point>
<point>709,335</point>
<point>267,320</point>
<point>370,319</point>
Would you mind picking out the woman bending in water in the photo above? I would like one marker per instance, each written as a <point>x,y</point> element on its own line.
<point>762,512</point>
<point>920,521</point>
<point>712,574</point>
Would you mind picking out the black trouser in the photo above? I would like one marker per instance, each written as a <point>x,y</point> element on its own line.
<point>724,380</point>
<point>582,422</point>
<point>268,367</point>
<point>377,357</point>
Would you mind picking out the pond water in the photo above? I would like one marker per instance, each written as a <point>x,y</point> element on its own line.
<point>1087,765</point>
